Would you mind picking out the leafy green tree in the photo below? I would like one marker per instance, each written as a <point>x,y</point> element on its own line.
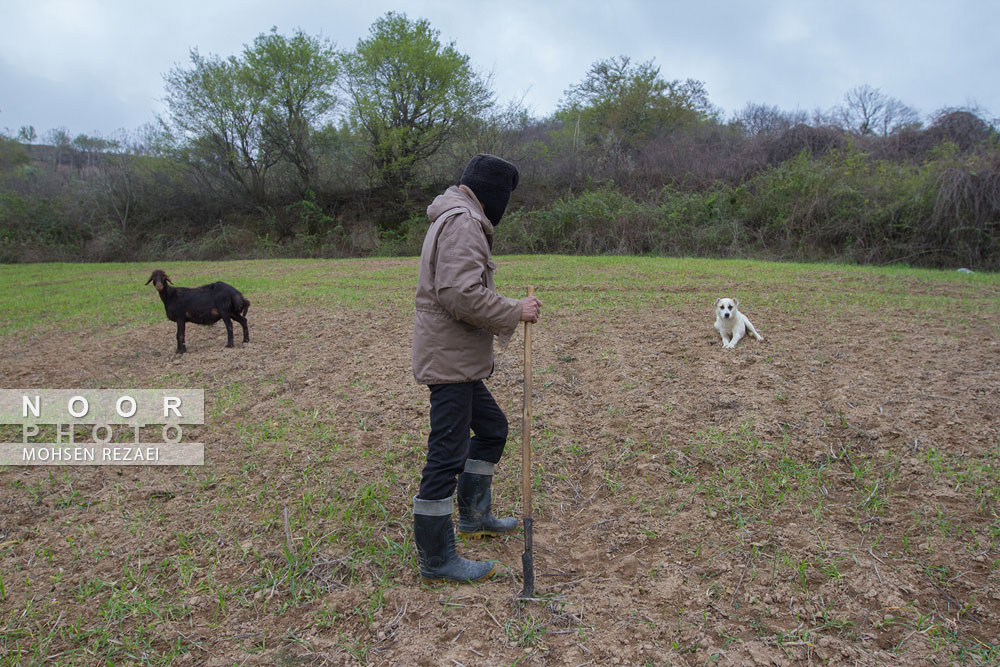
<point>409,95</point>
<point>90,147</point>
<point>620,104</point>
<point>218,110</point>
<point>244,115</point>
<point>27,135</point>
<point>59,139</point>
<point>12,154</point>
<point>295,78</point>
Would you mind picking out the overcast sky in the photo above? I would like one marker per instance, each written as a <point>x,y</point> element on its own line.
<point>97,66</point>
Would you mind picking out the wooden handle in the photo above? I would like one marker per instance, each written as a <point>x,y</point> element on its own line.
<point>526,421</point>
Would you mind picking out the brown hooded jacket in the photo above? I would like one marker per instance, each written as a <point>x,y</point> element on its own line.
<point>457,308</point>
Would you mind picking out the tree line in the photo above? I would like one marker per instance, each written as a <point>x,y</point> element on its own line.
<point>296,148</point>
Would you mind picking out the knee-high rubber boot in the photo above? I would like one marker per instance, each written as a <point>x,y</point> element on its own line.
<point>435,538</point>
<point>475,518</point>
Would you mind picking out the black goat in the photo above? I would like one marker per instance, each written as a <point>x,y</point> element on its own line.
<point>202,305</point>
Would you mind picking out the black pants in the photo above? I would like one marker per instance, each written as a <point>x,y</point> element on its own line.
<point>455,409</point>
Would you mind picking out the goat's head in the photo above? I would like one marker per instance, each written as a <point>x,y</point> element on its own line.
<point>159,280</point>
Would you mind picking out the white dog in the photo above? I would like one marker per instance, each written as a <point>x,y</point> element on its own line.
<point>731,324</point>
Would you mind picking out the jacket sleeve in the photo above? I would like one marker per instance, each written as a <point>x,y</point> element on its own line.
<point>462,257</point>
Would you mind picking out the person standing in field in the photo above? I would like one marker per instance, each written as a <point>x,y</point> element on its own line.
<point>458,313</point>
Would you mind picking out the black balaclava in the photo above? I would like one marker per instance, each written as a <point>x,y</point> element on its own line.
<point>492,179</point>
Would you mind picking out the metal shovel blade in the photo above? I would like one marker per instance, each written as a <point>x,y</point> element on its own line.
<point>528,562</point>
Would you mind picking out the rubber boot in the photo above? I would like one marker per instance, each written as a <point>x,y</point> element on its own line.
<point>435,538</point>
<point>475,519</point>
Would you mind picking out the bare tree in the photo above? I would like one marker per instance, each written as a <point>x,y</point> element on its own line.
<point>869,111</point>
<point>898,116</point>
<point>762,120</point>
<point>863,106</point>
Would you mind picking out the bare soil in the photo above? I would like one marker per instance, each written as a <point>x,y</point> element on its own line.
<point>818,497</point>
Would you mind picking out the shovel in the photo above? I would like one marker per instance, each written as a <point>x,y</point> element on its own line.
<point>527,558</point>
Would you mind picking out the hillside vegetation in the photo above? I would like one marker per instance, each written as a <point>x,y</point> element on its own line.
<point>295,148</point>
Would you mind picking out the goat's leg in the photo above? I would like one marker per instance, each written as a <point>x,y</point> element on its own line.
<point>243,323</point>
<point>180,337</point>
<point>229,331</point>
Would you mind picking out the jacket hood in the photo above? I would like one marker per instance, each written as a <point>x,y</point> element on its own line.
<point>454,197</point>
<point>492,179</point>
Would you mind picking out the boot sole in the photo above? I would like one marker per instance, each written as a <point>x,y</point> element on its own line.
<point>479,534</point>
<point>444,580</point>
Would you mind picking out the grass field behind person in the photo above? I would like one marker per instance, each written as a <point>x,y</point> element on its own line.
<point>42,297</point>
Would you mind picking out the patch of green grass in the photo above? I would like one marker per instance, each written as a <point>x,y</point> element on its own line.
<point>68,297</point>
<point>524,632</point>
<point>747,478</point>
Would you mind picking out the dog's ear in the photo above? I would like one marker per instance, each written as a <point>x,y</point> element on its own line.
<point>718,300</point>
<point>736,303</point>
